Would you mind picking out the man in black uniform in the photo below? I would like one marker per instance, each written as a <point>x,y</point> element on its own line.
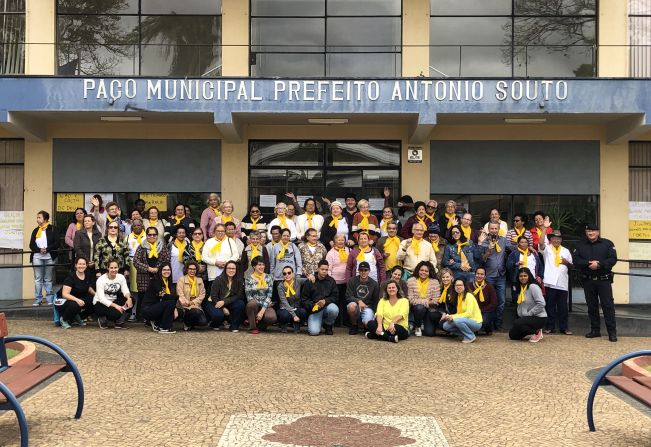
<point>595,258</point>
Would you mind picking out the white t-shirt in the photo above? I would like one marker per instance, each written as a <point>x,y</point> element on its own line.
<point>555,277</point>
<point>41,242</point>
<point>107,289</point>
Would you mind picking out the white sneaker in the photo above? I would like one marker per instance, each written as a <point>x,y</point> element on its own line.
<point>535,338</point>
<point>469,340</point>
<point>395,339</point>
<point>418,332</point>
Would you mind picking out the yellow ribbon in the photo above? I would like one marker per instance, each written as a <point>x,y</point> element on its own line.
<point>283,221</point>
<point>167,286</point>
<point>422,287</point>
<point>449,217</point>
<point>466,232</point>
<point>283,247</point>
<point>497,247</point>
<point>364,222</point>
<point>557,255</point>
<point>78,226</point>
<point>479,287</point>
<point>153,251</point>
<point>262,284</point>
<point>523,290</point>
<point>177,220</point>
<point>139,237</point>
<point>254,251</point>
<point>334,223</point>
<point>197,250</point>
<point>444,294</point>
<point>501,231</point>
<point>153,222</point>
<point>415,246</point>
<point>343,256</point>
<point>422,222</point>
<point>254,224</point>
<point>518,233</point>
<point>360,255</point>
<point>435,246</point>
<point>384,224</point>
<point>181,248</point>
<point>218,246</point>
<point>289,289</point>
<point>216,211</point>
<point>193,286</point>
<point>430,216</point>
<point>39,232</point>
<point>459,245</point>
<point>226,218</point>
<point>525,255</point>
<point>309,218</point>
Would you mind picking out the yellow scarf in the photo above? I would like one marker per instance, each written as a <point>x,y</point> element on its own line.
<point>435,245</point>
<point>462,255</point>
<point>459,245</point>
<point>430,216</point>
<point>262,284</point>
<point>254,251</point>
<point>110,219</point>
<point>384,224</point>
<point>539,231</point>
<point>343,256</point>
<point>197,250</point>
<point>254,224</point>
<point>334,223</point>
<point>364,222</point>
<point>449,217</point>
<point>466,232</point>
<point>153,251</point>
<point>39,232</point>
<point>518,233</point>
<point>226,218</point>
<point>360,256</point>
<point>309,218</point>
<point>501,231</point>
<point>153,222</point>
<point>78,226</point>
<point>557,255</point>
<point>415,245</point>
<point>460,299</point>
<point>218,246</point>
<point>139,237</point>
<point>166,289</point>
<point>422,222</point>
<point>283,247</point>
<point>216,211</point>
<point>523,290</point>
<point>193,286</point>
<point>479,287</point>
<point>497,247</point>
<point>289,289</point>
<point>177,220</point>
<point>181,247</point>
<point>444,294</point>
<point>525,256</point>
<point>283,221</point>
<point>422,287</point>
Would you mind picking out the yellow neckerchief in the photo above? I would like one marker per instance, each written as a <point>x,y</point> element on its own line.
<point>193,286</point>
<point>384,223</point>
<point>254,223</point>
<point>449,217</point>
<point>197,250</point>
<point>152,222</point>
<point>430,216</point>
<point>166,287</point>
<point>254,251</point>
<point>289,289</point>
<point>178,220</point>
<point>226,218</point>
<point>422,287</point>
<point>459,245</point>
<point>153,250</point>
<point>466,232</point>
<point>444,294</point>
<point>415,245</point>
<point>262,284</point>
<point>392,240</point>
<point>309,218</point>
<point>181,248</point>
<point>138,237</point>
<point>78,226</point>
<point>422,222</point>
<point>343,256</point>
<point>460,300</point>
<point>39,232</point>
<point>539,231</point>
<point>283,221</point>
<point>479,287</point>
<point>283,248</point>
<point>360,256</point>
<point>525,255</point>
<point>523,290</point>
<point>435,245</point>
<point>462,255</point>
<point>501,231</point>
<point>216,211</point>
<point>335,221</point>
<point>363,224</point>
<point>557,255</point>
<point>218,246</point>
<point>518,233</point>
<point>110,219</point>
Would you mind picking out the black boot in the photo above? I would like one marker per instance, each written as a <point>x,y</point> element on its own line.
<point>328,330</point>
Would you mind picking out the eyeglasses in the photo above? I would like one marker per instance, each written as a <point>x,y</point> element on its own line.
<point>112,227</point>
<point>151,235</point>
<point>431,206</point>
<point>455,232</point>
<point>255,211</point>
<point>192,269</point>
<point>198,233</point>
<point>287,273</point>
<point>517,220</point>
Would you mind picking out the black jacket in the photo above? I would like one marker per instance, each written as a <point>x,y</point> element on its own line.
<point>219,290</point>
<point>81,243</point>
<point>52,243</point>
<point>321,289</point>
<point>155,292</point>
<point>602,250</point>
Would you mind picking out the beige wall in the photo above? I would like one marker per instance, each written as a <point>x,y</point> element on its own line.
<point>235,38</point>
<point>612,38</point>
<point>415,38</point>
<point>40,37</point>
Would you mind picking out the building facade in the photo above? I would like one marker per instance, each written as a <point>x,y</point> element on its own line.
<point>521,105</point>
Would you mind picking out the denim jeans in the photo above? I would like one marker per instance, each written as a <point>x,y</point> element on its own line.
<point>499,284</point>
<point>462,326</point>
<point>216,315</point>
<point>43,278</point>
<point>326,316</point>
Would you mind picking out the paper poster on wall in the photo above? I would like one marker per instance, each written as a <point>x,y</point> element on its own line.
<point>69,202</point>
<point>301,199</point>
<point>267,201</point>
<point>639,220</point>
<point>106,198</point>
<point>159,200</point>
<point>376,204</point>
<point>639,251</point>
<point>11,229</point>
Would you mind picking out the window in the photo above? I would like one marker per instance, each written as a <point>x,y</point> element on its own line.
<point>12,171</point>
<point>326,38</point>
<point>12,37</point>
<point>139,38</point>
<point>317,169</point>
<point>640,38</point>
<point>639,191</point>
<point>521,38</point>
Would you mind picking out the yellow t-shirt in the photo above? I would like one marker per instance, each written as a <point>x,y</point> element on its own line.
<point>389,312</point>
<point>470,309</point>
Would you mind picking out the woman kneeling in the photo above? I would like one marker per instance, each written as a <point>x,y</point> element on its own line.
<point>160,301</point>
<point>392,316</point>
<point>531,309</point>
<point>468,318</point>
<point>192,292</point>
<point>77,302</point>
<point>112,298</point>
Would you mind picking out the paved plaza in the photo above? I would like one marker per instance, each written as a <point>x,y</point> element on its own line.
<point>230,390</point>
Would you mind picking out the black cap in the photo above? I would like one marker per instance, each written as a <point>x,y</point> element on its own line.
<point>592,226</point>
<point>363,266</point>
<point>433,229</point>
<point>406,199</point>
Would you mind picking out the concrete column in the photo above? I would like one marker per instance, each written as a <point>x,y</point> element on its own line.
<point>613,38</point>
<point>613,210</point>
<point>38,196</point>
<point>235,175</point>
<point>235,38</point>
<point>415,38</point>
<point>40,35</point>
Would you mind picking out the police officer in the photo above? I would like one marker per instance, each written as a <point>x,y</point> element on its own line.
<point>595,258</point>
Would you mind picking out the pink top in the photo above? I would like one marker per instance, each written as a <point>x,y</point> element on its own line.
<point>207,216</point>
<point>70,234</point>
<point>337,268</point>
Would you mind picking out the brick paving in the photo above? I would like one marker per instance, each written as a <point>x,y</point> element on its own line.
<point>186,389</point>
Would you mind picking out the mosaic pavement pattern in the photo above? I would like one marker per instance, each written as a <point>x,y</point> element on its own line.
<point>287,430</point>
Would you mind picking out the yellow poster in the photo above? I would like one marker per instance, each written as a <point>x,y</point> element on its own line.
<point>639,229</point>
<point>69,202</point>
<point>159,200</point>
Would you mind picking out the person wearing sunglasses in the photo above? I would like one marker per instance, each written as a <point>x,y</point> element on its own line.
<point>289,294</point>
<point>149,257</point>
<point>253,221</point>
<point>193,253</point>
<point>111,246</point>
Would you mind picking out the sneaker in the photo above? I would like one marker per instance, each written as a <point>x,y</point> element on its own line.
<point>36,303</point>
<point>64,323</point>
<point>283,328</point>
<point>535,338</point>
<point>186,328</point>
<point>567,332</point>
<point>297,328</point>
<point>235,331</point>
<point>418,332</point>
<point>120,326</point>
<point>469,340</point>
<point>395,339</point>
<point>132,318</point>
<point>166,331</point>
<point>328,330</point>
<point>215,328</point>
<point>79,320</point>
<point>254,331</point>
<point>366,334</point>
<point>548,331</point>
<point>154,327</point>
<point>101,322</point>
<point>353,330</point>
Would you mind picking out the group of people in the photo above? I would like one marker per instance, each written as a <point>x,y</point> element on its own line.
<point>408,271</point>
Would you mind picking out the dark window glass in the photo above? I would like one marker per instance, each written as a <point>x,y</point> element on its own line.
<point>470,31</point>
<point>97,7</point>
<point>365,33</point>
<point>365,154</point>
<point>12,6</point>
<point>207,7</point>
<point>12,44</point>
<point>360,65</point>
<point>288,8</point>
<point>287,35</point>
<point>470,7</point>
<point>283,153</point>
<point>364,7</point>
<point>288,64</point>
<point>555,8</point>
